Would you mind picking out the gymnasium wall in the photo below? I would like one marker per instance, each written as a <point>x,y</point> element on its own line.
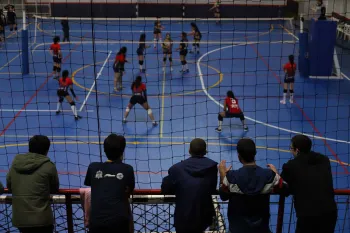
<point>166,8</point>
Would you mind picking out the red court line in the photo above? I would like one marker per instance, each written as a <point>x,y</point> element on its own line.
<point>33,96</point>
<point>301,110</point>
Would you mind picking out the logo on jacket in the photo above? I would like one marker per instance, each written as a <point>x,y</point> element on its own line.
<point>120,176</point>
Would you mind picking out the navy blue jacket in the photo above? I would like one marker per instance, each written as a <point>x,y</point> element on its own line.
<point>248,191</point>
<point>193,181</point>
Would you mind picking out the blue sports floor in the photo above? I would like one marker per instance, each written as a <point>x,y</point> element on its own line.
<point>243,56</point>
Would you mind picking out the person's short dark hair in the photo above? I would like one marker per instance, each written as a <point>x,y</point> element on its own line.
<point>114,146</point>
<point>246,149</point>
<point>198,147</point>
<point>39,144</point>
<point>302,143</point>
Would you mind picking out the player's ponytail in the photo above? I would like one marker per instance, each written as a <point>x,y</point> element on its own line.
<point>230,94</point>
<point>65,74</point>
<point>291,59</point>
<point>56,39</point>
<point>136,83</point>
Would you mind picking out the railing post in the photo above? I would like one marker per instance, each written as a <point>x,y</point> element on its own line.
<point>280,215</point>
<point>69,210</point>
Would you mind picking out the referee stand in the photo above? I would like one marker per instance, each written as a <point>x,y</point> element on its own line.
<point>317,54</point>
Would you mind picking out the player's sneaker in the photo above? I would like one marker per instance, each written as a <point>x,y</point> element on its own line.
<point>291,101</point>
<point>154,123</point>
<point>58,112</point>
<point>218,130</point>
<point>124,121</point>
<point>77,118</point>
<point>245,128</point>
<point>283,102</point>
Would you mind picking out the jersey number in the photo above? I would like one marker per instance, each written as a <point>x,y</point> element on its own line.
<point>234,103</point>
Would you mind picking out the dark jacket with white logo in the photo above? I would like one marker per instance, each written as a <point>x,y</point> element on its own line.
<point>248,191</point>
<point>193,181</point>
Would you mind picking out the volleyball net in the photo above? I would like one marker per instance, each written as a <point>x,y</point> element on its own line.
<point>244,51</point>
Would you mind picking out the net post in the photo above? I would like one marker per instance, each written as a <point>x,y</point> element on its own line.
<point>25,50</point>
<point>280,215</point>
<point>69,212</point>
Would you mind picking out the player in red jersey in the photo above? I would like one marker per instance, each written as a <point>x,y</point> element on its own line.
<point>55,51</point>
<point>119,69</point>
<point>289,78</point>
<point>231,109</point>
<point>66,83</point>
<point>139,96</point>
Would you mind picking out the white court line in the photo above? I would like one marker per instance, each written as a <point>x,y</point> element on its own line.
<point>248,118</point>
<point>93,85</point>
<point>36,110</point>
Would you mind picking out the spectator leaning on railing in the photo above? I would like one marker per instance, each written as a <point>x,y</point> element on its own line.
<point>248,191</point>
<point>111,183</point>
<point>31,179</point>
<point>193,181</point>
<point>309,177</point>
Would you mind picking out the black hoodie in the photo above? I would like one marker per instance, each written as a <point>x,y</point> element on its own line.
<point>193,181</point>
<point>310,181</point>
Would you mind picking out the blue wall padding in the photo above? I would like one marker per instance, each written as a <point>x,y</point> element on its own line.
<point>321,46</point>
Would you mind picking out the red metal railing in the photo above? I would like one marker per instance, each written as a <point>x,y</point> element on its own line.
<point>72,197</point>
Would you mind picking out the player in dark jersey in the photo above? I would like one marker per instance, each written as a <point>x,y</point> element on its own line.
<point>55,51</point>
<point>2,27</point>
<point>12,18</point>
<point>119,68</point>
<point>141,51</point>
<point>231,110</point>
<point>216,9</point>
<point>65,29</point>
<point>197,36</point>
<point>167,51</point>
<point>157,32</point>
<point>139,96</point>
<point>66,83</point>
<point>183,52</point>
<point>289,78</point>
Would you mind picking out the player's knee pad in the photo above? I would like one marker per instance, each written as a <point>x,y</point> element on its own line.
<point>284,90</point>
<point>141,62</point>
<point>58,69</point>
<point>220,118</point>
<point>127,109</point>
<point>60,99</point>
<point>72,103</point>
<point>54,68</point>
<point>291,91</point>
<point>149,111</point>
<point>242,117</point>
<point>183,63</point>
<point>170,59</point>
<point>164,59</point>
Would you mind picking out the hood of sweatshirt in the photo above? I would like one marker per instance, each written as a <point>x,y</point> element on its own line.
<point>28,163</point>
<point>199,166</point>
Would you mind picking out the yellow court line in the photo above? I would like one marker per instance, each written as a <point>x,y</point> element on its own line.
<point>161,120</point>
